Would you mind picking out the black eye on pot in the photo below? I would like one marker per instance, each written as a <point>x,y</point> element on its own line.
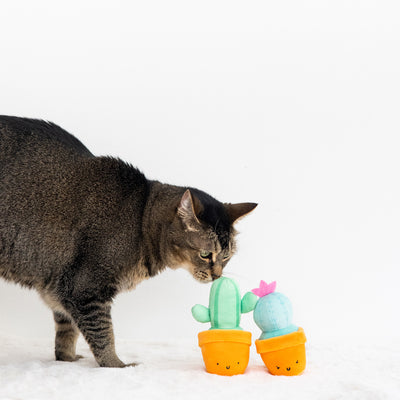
<point>205,254</point>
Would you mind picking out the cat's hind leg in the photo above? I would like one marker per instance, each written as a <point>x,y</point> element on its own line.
<point>66,336</point>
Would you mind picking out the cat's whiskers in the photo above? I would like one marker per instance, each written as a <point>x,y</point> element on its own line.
<point>242,278</point>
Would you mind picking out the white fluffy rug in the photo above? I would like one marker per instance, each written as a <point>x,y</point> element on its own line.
<point>175,371</point>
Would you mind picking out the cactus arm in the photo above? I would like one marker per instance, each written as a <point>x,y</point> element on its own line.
<point>249,302</point>
<point>201,313</point>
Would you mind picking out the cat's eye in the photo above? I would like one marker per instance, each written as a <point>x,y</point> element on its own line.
<point>205,254</point>
<point>226,256</point>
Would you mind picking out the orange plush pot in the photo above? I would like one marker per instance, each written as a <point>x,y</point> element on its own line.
<point>225,351</point>
<point>284,355</point>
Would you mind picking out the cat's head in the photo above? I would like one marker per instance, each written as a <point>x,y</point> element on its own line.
<point>202,236</point>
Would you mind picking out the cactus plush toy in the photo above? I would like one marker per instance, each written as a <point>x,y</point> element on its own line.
<point>225,346</point>
<point>225,306</point>
<point>281,343</point>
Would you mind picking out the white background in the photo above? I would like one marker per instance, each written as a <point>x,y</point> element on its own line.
<point>291,104</point>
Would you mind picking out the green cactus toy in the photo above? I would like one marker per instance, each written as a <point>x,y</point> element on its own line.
<point>225,305</point>
<point>225,346</point>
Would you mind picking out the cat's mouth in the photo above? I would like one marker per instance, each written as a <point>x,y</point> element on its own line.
<point>199,275</point>
<point>202,277</point>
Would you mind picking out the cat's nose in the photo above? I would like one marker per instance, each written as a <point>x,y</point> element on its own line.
<point>216,272</point>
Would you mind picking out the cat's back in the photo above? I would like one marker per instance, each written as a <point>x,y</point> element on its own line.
<point>37,140</point>
<point>47,173</point>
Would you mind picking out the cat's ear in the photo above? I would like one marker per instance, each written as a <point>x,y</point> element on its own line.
<point>238,211</point>
<point>187,210</point>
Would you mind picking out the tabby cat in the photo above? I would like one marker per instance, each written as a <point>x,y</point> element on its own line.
<point>80,229</point>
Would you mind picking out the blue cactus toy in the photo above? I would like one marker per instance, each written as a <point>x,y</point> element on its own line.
<point>273,313</point>
<point>281,344</point>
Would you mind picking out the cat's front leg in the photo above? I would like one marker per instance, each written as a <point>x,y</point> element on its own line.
<point>93,319</point>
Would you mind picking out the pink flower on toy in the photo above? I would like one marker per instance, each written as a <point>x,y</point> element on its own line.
<point>265,289</point>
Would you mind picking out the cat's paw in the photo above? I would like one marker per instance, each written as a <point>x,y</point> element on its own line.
<point>68,357</point>
<point>131,365</point>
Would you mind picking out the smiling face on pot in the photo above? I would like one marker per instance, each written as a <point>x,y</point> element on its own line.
<point>226,358</point>
<point>229,366</point>
<point>290,361</point>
